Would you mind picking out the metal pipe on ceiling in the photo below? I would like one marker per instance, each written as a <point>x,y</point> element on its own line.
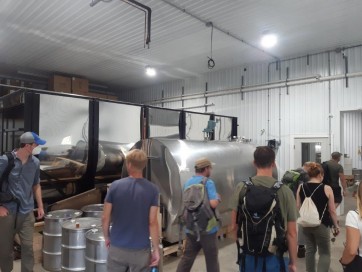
<point>196,107</point>
<point>94,2</point>
<point>259,87</point>
<point>147,10</point>
<point>226,32</point>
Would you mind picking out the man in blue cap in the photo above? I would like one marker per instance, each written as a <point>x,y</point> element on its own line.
<point>17,217</point>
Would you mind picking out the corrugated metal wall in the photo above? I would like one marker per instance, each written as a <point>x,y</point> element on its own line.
<point>352,130</point>
<point>277,113</point>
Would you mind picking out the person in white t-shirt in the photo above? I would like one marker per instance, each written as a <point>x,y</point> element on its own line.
<point>353,231</point>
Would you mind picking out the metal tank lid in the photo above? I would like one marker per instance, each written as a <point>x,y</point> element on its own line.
<point>95,235</point>
<point>83,223</point>
<point>63,214</point>
<point>93,208</point>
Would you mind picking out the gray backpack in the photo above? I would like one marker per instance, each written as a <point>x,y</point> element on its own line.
<point>198,216</point>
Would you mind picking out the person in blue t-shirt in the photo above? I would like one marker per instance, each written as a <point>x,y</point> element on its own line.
<point>131,205</point>
<point>203,168</point>
<point>17,217</point>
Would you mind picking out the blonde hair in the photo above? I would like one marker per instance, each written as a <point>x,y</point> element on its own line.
<point>359,199</point>
<point>137,158</point>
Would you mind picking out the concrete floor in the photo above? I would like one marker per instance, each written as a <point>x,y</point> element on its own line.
<point>227,252</point>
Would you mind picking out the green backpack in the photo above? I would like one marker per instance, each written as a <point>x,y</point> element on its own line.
<point>291,179</point>
<point>198,216</point>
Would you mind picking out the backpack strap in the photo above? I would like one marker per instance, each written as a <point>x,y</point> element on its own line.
<point>9,167</point>
<point>325,208</point>
<point>312,192</point>
<point>277,185</point>
<point>248,182</point>
<point>204,180</point>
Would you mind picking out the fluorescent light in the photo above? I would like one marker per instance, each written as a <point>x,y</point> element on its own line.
<point>269,40</point>
<point>150,71</point>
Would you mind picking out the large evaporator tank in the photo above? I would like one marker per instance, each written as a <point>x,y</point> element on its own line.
<point>172,162</point>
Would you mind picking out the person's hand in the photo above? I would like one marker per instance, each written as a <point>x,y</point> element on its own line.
<point>232,231</point>
<point>108,243</point>
<point>3,211</point>
<point>40,213</point>
<point>335,231</point>
<point>292,268</point>
<point>155,258</point>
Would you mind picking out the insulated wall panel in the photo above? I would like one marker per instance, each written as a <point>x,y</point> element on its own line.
<point>303,110</point>
<point>352,130</point>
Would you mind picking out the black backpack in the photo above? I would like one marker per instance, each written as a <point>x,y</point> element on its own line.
<point>261,229</point>
<point>4,180</point>
<point>327,175</point>
<point>198,216</point>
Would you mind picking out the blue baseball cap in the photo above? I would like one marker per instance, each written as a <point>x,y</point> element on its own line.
<point>31,137</point>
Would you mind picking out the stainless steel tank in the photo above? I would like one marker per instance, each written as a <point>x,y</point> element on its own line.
<point>93,210</point>
<point>74,242</point>
<point>52,235</point>
<point>96,252</point>
<point>172,164</point>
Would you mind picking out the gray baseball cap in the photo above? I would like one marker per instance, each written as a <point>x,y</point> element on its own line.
<point>31,137</point>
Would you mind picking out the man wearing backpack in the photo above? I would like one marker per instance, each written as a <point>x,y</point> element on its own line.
<point>198,238</point>
<point>259,249</point>
<point>17,216</point>
<point>292,179</point>
<point>333,172</point>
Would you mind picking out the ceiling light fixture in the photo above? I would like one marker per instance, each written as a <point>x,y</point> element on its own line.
<point>269,40</point>
<point>150,71</point>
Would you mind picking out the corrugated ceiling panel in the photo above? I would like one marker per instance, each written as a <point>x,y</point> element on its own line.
<point>105,42</point>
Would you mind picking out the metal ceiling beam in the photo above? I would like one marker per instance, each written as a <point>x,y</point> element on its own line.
<point>226,32</point>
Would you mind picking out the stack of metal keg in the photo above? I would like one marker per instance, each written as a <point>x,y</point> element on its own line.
<point>74,243</point>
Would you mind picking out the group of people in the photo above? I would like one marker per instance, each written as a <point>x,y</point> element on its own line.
<point>132,206</point>
<point>122,253</point>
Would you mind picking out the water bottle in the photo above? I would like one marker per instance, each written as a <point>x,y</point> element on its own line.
<point>154,269</point>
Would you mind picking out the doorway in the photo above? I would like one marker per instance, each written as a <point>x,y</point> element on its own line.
<point>314,149</point>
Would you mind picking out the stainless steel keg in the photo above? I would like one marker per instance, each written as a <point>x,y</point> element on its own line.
<point>74,242</point>
<point>52,235</point>
<point>94,210</point>
<point>96,251</point>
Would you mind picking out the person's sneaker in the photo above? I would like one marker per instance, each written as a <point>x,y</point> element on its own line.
<point>301,252</point>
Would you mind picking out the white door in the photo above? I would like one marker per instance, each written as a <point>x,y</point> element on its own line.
<point>314,149</point>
